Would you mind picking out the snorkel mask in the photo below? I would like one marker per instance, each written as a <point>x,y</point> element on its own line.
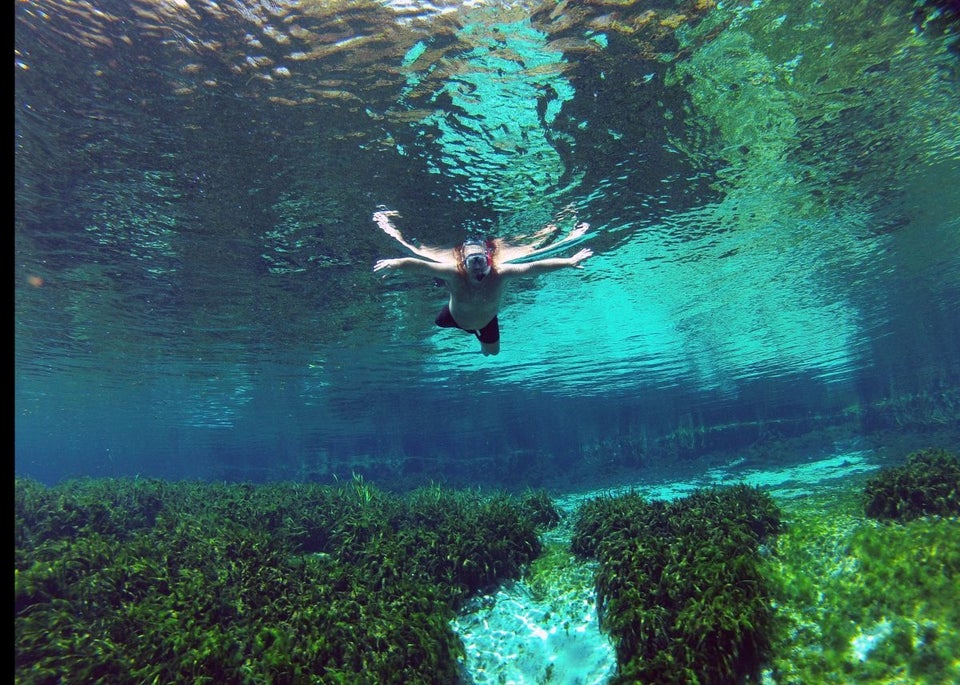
<point>476,258</point>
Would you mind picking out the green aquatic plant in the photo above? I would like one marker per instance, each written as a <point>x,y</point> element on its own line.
<point>543,574</point>
<point>927,484</point>
<point>106,506</point>
<point>862,601</point>
<point>118,581</point>
<point>679,585</point>
<point>540,508</point>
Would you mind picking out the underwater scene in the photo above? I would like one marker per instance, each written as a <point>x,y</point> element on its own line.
<point>396,341</point>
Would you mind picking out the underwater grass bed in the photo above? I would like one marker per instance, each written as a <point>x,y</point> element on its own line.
<point>866,584</point>
<point>679,585</point>
<point>727,585</point>
<point>859,601</point>
<point>149,581</point>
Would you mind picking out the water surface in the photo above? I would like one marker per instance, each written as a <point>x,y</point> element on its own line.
<point>773,189</point>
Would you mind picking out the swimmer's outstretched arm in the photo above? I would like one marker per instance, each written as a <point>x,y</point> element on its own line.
<point>382,219</point>
<point>511,252</point>
<point>545,265</point>
<point>442,269</point>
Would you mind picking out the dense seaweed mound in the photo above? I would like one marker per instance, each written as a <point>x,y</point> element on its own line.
<point>679,585</point>
<point>148,581</point>
<point>927,484</point>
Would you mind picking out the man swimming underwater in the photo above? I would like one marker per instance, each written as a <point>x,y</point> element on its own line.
<point>475,273</point>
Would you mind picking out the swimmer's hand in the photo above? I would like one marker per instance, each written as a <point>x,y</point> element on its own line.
<point>382,219</point>
<point>578,231</point>
<point>386,264</point>
<point>579,257</point>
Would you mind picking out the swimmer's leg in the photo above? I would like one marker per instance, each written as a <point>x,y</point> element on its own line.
<point>489,349</point>
<point>489,337</point>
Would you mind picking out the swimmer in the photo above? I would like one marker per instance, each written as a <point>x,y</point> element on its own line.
<point>475,273</point>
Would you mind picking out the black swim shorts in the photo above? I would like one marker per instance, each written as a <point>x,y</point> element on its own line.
<point>488,334</point>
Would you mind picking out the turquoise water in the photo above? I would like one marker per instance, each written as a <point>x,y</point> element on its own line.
<point>773,190</point>
<point>771,311</point>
